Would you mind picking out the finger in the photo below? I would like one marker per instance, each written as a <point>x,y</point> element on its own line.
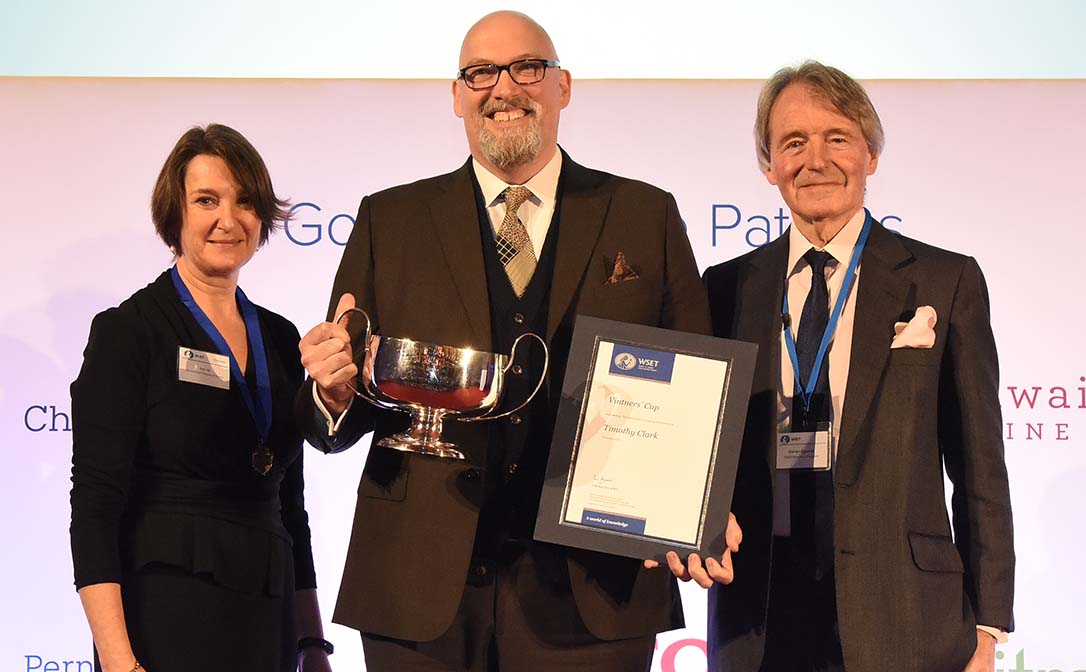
<point>335,371</point>
<point>326,358</point>
<point>337,374</point>
<point>318,334</point>
<point>676,566</point>
<point>346,302</point>
<point>734,534</point>
<point>697,571</point>
<point>315,353</point>
<point>339,332</point>
<point>722,571</point>
<point>651,564</point>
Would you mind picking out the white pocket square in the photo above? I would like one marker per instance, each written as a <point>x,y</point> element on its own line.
<point>918,332</point>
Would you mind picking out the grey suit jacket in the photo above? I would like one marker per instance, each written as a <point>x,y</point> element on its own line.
<point>909,593</point>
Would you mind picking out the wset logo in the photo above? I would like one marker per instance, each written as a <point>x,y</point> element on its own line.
<point>634,362</point>
<point>625,361</point>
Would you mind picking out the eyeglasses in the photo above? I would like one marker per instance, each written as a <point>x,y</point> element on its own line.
<point>525,71</point>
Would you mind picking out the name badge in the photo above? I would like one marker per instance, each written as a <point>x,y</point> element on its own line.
<point>812,451</point>
<point>203,368</point>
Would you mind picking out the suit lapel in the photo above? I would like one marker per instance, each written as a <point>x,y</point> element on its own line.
<point>883,293</point>
<point>759,321</point>
<point>582,212</point>
<point>455,219</point>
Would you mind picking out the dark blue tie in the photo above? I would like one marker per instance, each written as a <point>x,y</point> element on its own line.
<point>812,491</point>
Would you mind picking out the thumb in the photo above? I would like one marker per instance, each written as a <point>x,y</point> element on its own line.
<point>346,302</point>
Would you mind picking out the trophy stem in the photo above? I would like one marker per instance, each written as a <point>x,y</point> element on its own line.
<point>424,436</point>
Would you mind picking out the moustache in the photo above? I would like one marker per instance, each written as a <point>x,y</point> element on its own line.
<point>492,106</point>
<point>825,177</point>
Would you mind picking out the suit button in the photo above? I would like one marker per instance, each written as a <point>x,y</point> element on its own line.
<point>518,318</point>
<point>518,369</point>
<point>471,474</point>
<point>515,419</point>
<point>513,468</point>
<point>480,570</point>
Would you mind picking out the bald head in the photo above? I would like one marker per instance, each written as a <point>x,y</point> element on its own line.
<point>498,27</point>
<point>512,126</point>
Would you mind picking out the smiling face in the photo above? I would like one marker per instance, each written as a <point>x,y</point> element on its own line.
<point>512,129</point>
<point>220,230</point>
<point>818,158</point>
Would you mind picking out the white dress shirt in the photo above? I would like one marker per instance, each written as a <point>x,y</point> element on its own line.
<point>798,284</point>
<point>536,212</point>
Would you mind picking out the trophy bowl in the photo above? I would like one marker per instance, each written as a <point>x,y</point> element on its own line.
<point>432,382</point>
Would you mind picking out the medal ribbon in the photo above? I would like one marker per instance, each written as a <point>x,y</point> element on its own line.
<point>827,336</point>
<point>261,407</point>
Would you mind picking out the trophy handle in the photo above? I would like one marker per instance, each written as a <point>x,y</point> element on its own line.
<point>512,356</point>
<point>365,349</point>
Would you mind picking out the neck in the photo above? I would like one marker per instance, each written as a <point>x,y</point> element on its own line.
<point>820,231</point>
<point>213,293</point>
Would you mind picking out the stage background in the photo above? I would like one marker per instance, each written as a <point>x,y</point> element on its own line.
<point>991,168</point>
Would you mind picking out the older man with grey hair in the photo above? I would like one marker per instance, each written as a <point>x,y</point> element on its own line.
<point>877,356</point>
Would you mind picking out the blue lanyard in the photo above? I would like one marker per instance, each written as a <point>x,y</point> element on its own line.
<point>261,408</point>
<point>850,274</point>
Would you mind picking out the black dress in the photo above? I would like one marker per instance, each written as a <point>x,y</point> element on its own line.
<point>165,500</point>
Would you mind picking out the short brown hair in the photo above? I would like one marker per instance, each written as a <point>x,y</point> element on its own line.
<point>168,198</point>
<point>842,91</point>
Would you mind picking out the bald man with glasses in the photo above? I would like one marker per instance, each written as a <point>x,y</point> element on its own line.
<point>442,571</point>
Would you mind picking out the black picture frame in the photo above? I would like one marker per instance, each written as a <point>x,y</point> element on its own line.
<point>589,332</point>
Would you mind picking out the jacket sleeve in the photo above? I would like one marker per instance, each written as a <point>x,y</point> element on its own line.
<point>355,275</point>
<point>109,401</point>
<point>970,435</point>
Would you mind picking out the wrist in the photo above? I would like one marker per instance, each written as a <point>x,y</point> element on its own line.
<point>315,644</point>
<point>132,665</point>
<point>335,405</point>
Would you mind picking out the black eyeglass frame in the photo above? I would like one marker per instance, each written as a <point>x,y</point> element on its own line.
<point>545,62</point>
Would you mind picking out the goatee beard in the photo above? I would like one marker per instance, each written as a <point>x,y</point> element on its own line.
<point>513,148</point>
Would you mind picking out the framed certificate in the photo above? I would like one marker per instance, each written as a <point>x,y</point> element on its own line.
<point>646,441</point>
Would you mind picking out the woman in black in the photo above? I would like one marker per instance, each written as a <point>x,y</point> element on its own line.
<point>189,534</point>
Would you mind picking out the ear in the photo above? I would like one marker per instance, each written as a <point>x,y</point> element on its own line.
<point>457,110</point>
<point>872,164</point>
<point>770,176</point>
<point>565,85</point>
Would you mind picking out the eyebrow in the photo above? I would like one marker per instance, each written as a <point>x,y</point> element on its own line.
<point>790,136</point>
<point>803,134</point>
<point>204,190</point>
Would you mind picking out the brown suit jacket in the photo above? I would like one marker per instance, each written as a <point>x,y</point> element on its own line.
<point>415,263</point>
<point>908,593</point>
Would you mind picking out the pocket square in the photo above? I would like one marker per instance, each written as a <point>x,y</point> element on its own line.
<point>622,271</point>
<point>918,332</point>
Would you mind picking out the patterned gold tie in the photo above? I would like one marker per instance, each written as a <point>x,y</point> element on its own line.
<point>514,245</point>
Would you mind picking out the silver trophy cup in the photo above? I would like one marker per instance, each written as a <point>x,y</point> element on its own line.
<point>432,382</point>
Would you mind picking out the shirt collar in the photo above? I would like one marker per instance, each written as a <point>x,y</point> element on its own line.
<point>840,248</point>
<point>543,185</point>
